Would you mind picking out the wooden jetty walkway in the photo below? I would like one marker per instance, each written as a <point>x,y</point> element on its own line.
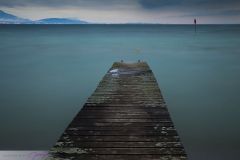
<point>125,118</point>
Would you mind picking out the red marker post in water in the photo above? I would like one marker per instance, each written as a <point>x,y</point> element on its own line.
<point>195,24</point>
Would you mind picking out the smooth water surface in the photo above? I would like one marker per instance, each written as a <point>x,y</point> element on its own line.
<point>48,71</point>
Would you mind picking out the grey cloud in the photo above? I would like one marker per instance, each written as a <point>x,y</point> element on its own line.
<point>194,8</point>
<point>158,4</point>
<point>153,4</point>
<point>230,12</point>
<point>213,13</point>
<point>57,3</point>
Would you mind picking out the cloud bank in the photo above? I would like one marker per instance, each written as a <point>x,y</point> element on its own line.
<point>120,11</point>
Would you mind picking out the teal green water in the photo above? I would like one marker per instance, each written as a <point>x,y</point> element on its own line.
<point>47,72</point>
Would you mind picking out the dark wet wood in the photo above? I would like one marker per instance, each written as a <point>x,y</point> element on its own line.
<point>125,118</point>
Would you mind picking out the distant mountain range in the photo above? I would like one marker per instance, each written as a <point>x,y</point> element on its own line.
<point>6,18</point>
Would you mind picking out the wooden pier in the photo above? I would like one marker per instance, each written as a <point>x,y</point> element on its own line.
<point>126,118</point>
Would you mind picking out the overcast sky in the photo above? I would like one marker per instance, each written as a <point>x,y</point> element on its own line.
<point>128,11</point>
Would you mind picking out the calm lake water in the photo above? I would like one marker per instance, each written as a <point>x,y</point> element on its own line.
<point>48,71</point>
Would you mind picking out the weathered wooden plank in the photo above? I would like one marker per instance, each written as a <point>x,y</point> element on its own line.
<point>89,114</point>
<point>120,138</point>
<point>124,120</point>
<point>143,107</point>
<point>120,127</point>
<point>63,156</point>
<point>121,144</point>
<point>123,132</point>
<point>116,151</point>
<point>120,124</point>
<point>163,120</point>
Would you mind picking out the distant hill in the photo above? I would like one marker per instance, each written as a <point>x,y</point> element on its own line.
<point>6,18</point>
<point>60,21</point>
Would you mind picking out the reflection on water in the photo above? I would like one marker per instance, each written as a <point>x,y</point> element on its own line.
<point>47,73</point>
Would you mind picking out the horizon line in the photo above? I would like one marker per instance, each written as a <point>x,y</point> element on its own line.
<point>130,23</point>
